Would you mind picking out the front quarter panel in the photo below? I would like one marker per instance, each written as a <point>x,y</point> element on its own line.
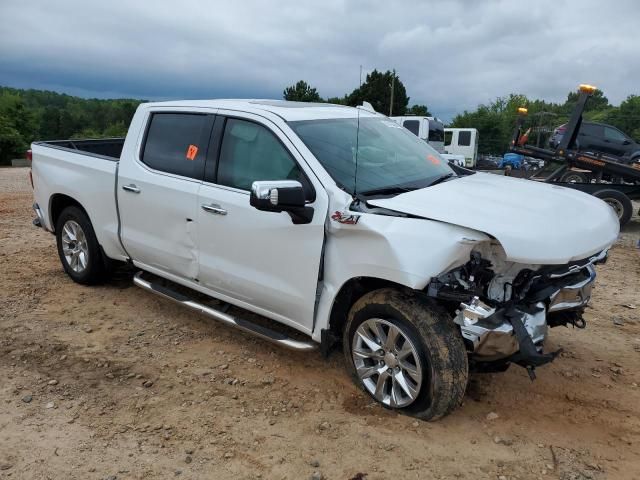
<point>407,251</point>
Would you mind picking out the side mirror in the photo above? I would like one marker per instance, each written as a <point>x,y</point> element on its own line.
<point>281,196</point>
<point>627,142</point>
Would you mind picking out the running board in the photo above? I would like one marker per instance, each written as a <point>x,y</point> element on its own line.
<point>258,330</point>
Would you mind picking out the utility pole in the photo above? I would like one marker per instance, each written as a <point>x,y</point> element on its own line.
<point>360,75</point>
<point>393,84</point>
<point>539,127</point>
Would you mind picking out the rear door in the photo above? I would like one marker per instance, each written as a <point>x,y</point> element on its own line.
<point>259,260</point>
<point>158,192</point>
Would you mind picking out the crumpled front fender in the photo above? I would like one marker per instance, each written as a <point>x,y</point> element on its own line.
<point>406,251</point>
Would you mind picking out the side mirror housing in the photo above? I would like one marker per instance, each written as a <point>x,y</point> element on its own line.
<point>281,196</point>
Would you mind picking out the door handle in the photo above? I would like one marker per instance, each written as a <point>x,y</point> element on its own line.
<point>213,208</point>
<point>131,188</point>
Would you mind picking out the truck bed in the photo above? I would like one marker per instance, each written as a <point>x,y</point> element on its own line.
<point>85,171</point>
<point>107,148</point>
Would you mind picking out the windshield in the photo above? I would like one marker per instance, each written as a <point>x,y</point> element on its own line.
<point>389,156</point>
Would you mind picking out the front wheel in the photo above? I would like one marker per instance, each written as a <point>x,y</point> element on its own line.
<point>406,353</point>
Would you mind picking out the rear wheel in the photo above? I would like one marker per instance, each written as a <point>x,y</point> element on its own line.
<point>78,247</point>
<point>620,203</point>
<point>406,353</point>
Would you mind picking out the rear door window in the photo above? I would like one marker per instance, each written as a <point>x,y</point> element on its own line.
<point>413,126</point>
<point>591,130</point>
<point>176,143</point>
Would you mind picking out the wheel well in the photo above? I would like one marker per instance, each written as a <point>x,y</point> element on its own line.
<point>349,293</point>
<point>58,203</point>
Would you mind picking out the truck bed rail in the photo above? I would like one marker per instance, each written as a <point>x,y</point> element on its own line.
<point>106,148</point>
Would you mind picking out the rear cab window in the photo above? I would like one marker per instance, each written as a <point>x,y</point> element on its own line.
<point>464,138</point>
<point>413,126</point>
<point>176,143</point>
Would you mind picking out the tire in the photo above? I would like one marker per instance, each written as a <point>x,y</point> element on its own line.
<point>620,203</point>
<point>437,353</point>
<point>89,267</point>
<point>575,177</point>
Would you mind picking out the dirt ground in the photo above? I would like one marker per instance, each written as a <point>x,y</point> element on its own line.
<point>112,382</point>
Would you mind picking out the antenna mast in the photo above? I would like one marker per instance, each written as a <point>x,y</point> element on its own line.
<point>355,174</point>
<point>393,84</point>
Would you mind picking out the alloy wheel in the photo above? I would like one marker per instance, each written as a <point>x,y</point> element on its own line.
<point>387,362</point>
<point>74,246</point>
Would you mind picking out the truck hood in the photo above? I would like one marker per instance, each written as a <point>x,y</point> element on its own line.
<point>534,222</point>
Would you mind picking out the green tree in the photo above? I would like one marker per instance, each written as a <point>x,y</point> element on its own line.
<point>339,100</point>
<point>420,110</point>
<point>626,117</point>
<point>301,92</point>
<point>118,129</point>
<point>29,115</point>
<point>11,142</point>
<point>377,91</point>
<point>16,111</point>
<point>597,101</point>
<point>494,122</point>
<point>50,123</point>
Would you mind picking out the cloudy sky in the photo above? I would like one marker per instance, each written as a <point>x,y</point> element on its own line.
<point>451,55</point>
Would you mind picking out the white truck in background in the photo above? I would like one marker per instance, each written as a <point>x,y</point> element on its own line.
<point>429,129</point>
<point>337,223</point>
<point>462,141</point>
<point>432,131</point>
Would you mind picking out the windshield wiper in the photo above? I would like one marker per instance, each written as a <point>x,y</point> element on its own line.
<point>395,190</point>
<point>442,178</point>
<point>387,191</point>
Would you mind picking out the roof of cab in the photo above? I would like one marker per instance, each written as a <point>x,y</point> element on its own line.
<point>289,111</point>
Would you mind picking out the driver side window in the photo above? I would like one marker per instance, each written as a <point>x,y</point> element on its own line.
<point>250,152</point>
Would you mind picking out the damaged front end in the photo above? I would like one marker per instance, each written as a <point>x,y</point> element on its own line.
<point>504,309</point>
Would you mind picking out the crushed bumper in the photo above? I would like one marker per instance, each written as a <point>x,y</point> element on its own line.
<point>515,332</point>
<point>493,337</point>
<point>575,295</point>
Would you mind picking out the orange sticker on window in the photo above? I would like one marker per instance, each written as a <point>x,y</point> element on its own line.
<point>433,159</point>
<point>192,151</point>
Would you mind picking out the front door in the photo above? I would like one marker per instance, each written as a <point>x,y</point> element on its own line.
<point>616,142</point>
<point>158,193</point>
<point>259,260</point>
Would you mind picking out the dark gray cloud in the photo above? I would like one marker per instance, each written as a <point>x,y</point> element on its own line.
<point>451,55</point>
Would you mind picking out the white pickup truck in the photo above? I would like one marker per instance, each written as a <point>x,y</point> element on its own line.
<point>336,224</point>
